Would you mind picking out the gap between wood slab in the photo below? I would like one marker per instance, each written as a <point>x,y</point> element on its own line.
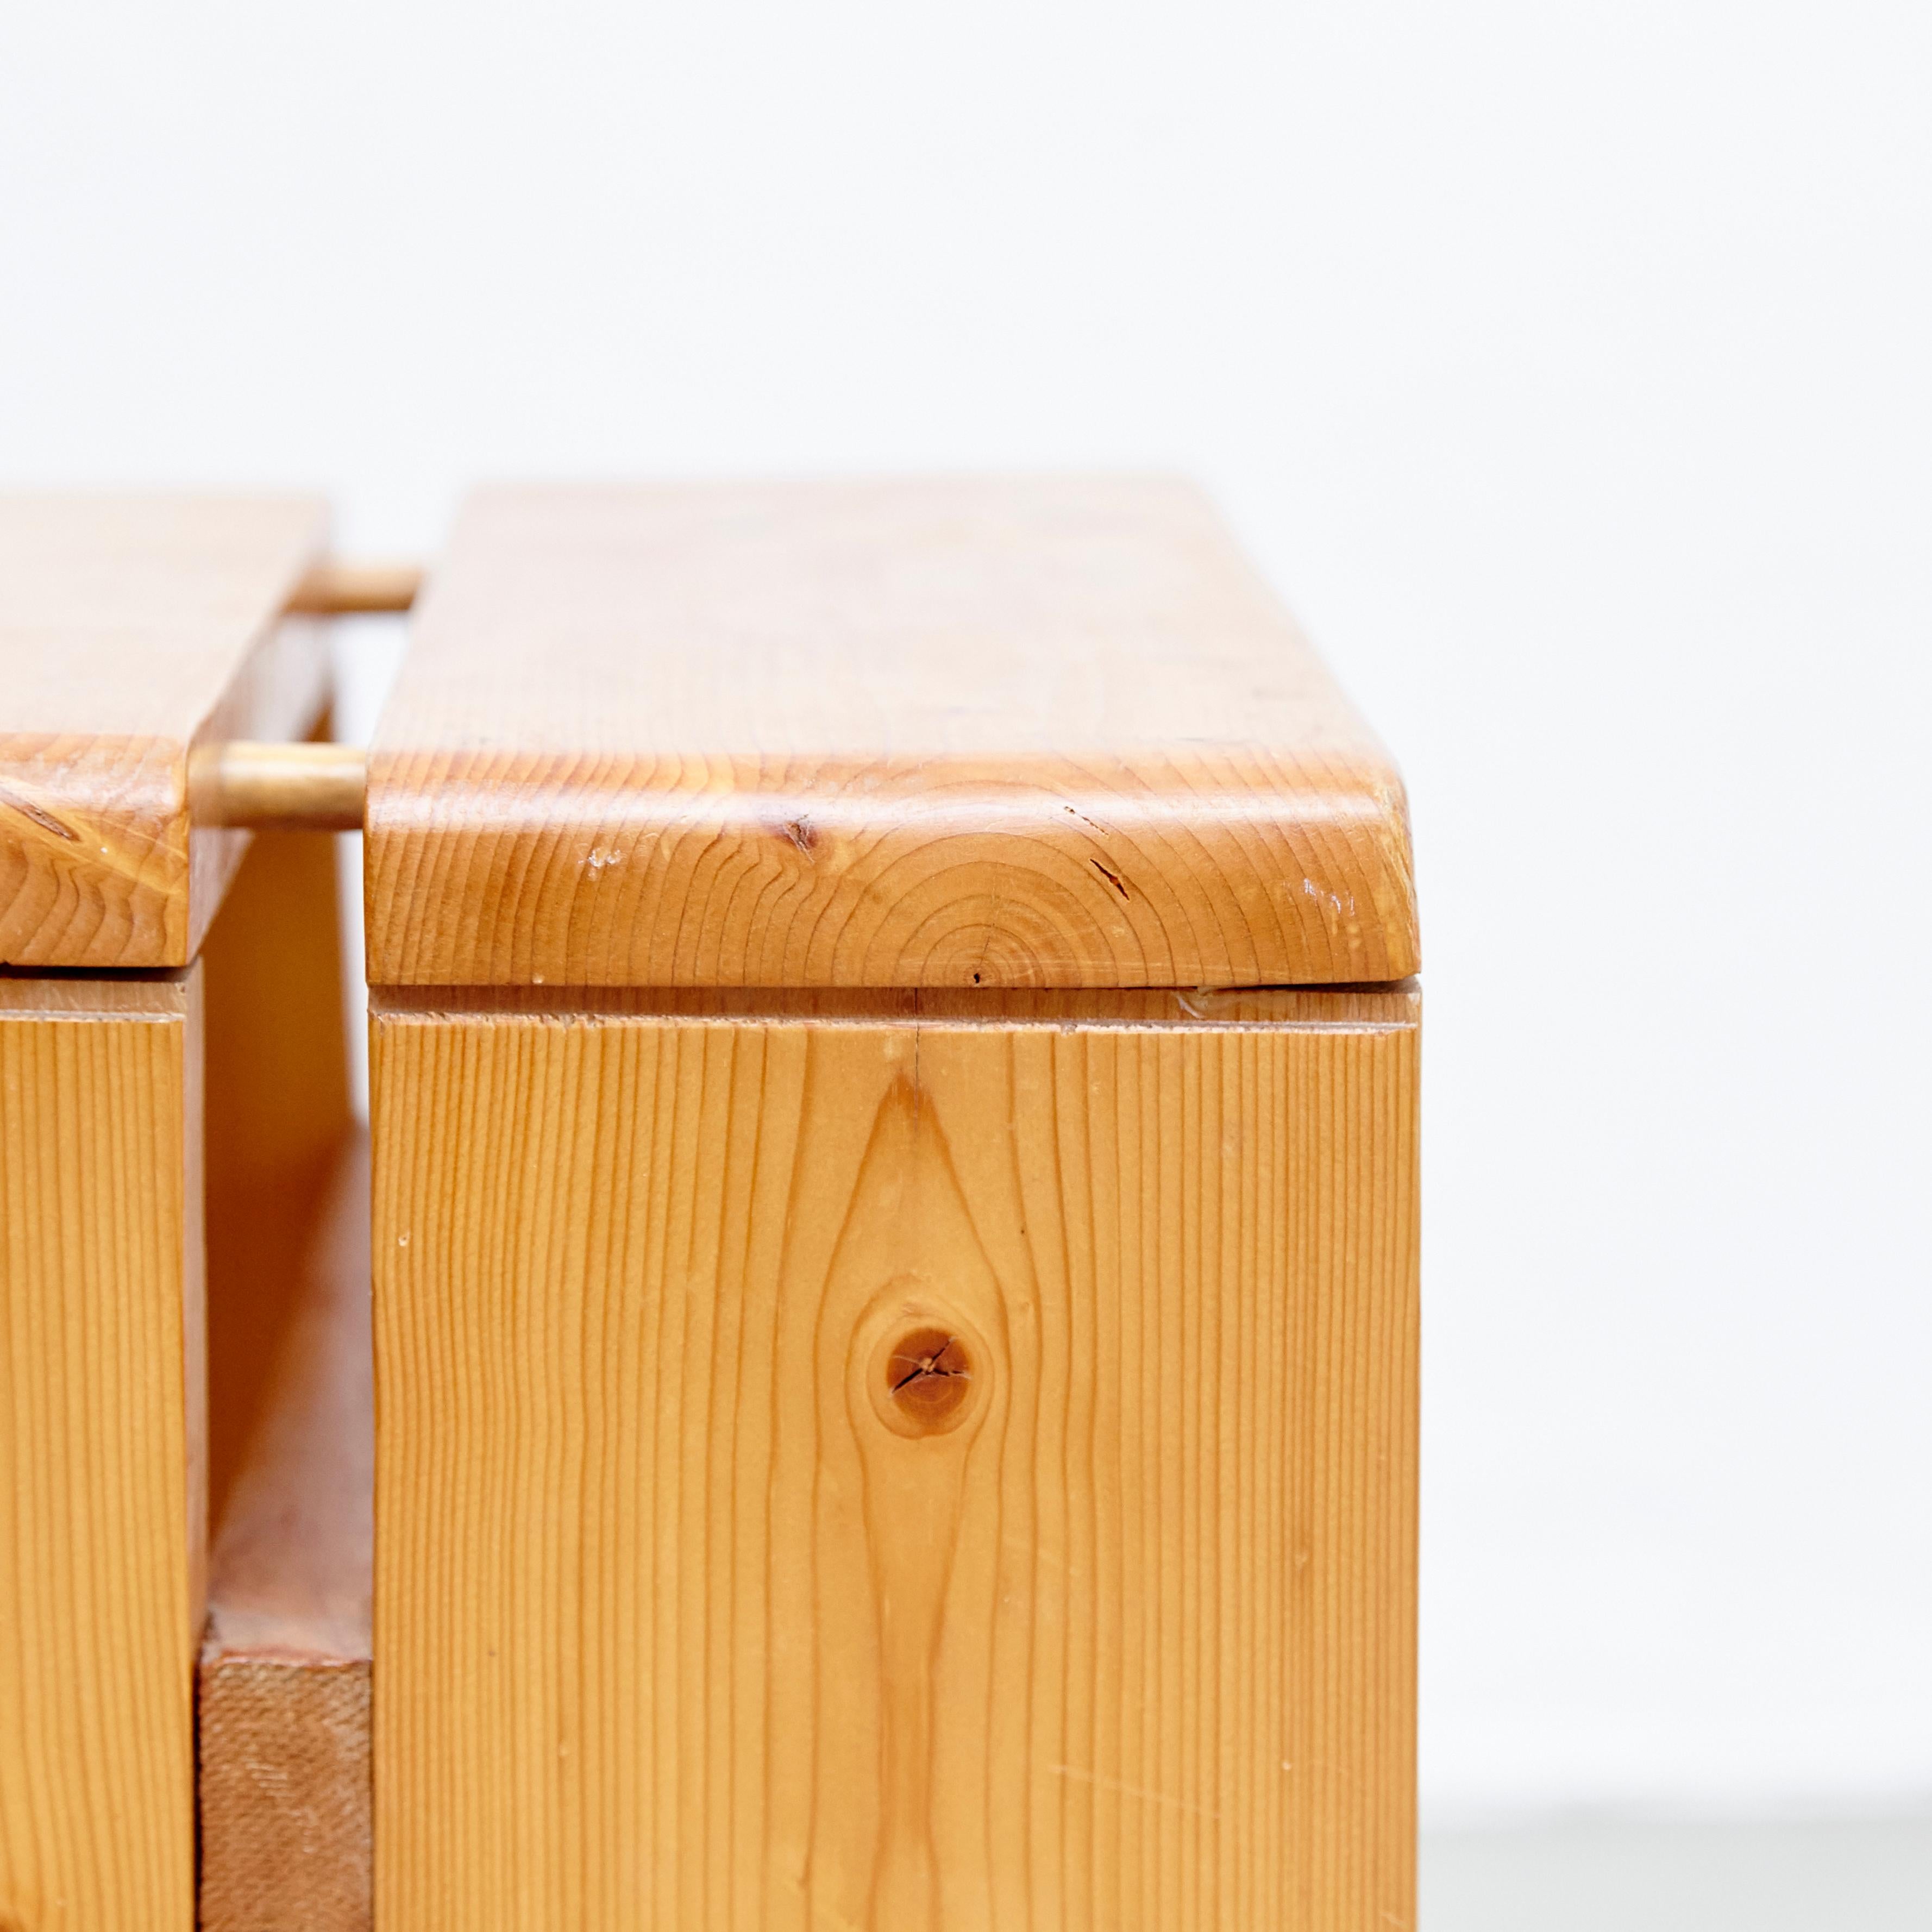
<point>283,1790</point>
<point>1390,1004</point>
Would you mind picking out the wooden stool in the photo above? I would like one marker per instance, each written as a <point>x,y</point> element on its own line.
<point>894,1232</point>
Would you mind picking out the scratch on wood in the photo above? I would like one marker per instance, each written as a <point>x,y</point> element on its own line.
<point>1132,1791</point>
<point>46,821</point>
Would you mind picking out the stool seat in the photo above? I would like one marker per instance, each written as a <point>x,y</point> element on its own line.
<point>1049,732</point>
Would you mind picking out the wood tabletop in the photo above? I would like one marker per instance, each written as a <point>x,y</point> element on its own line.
<point>132,629</point>
<point>1031,733</point>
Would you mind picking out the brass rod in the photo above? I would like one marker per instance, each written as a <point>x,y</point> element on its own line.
<point>333,588</point>
<point>279,787</point>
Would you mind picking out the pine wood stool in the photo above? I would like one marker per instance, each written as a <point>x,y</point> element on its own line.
<point>893,1096</point>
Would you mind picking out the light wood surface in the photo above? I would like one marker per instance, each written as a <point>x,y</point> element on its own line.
<point>920,1477</point>
<point>1037,733</point>
<point>102,1479</point>
<point>284,1741</point>
<point>131,628</point>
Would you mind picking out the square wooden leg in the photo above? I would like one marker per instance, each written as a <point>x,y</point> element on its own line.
<point>102,1481</point>
<point>898,1473</point>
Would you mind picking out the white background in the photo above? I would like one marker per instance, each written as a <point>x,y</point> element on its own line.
<point>1566,366</point>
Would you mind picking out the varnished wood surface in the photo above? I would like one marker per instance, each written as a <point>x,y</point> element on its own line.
<point>101,1476</point>
<point>284,1703</point>
<point>132,628</point>
<point>1032,733</point>
<point>919,1478</point>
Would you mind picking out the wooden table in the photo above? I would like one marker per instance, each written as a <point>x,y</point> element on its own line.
<point>894,1256</point>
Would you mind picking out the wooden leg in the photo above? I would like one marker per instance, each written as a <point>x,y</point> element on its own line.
<point>134,1348</point>
<point>102,1474</point>
<point>896,1475</point>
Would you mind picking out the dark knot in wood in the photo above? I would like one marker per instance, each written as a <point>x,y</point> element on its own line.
<point>928,1374</point>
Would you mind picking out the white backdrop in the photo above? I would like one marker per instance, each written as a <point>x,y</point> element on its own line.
<point>1566,366</point>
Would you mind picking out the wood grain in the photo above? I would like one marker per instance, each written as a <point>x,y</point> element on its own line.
<point>284,1701</point>
<point>687,1620</point>
<point>1039,733</point>
<point>101,1475</point>
<point>131,628</point>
